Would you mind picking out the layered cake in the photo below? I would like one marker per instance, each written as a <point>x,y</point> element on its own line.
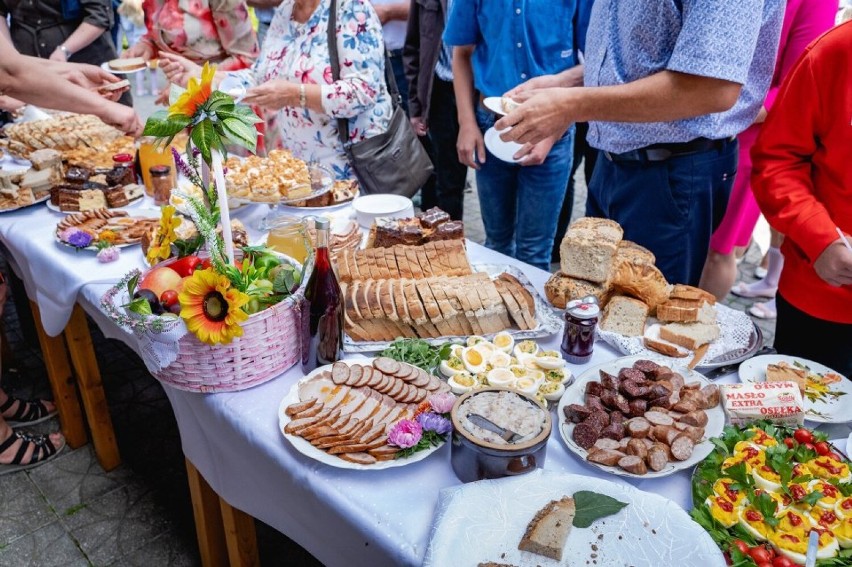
<point>427,226</point>
<point>120,176</point>
<point>77,175</point>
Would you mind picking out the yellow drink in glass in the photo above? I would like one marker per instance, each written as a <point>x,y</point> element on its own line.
<point>288,235</point>
<point>150,155</point>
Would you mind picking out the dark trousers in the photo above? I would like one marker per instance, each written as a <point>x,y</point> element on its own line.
<point>670,207</point>
<point>800,334</point>
<point>399,74</point>
<point>582,151</point>
<point>448,190</point>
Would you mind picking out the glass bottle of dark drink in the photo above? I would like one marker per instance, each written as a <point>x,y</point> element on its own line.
<point>581,319</point>
<point>322,328</point>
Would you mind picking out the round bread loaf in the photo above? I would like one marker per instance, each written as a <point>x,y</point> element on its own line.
<point>560,289</point>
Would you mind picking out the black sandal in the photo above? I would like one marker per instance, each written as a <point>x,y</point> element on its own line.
<point>29,412</point>
<point>43,451</point>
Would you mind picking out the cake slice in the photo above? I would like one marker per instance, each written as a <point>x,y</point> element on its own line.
<point>548,531</point>
<point>625,316</point>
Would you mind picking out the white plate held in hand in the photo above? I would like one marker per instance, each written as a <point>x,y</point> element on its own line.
<point>503,150</point>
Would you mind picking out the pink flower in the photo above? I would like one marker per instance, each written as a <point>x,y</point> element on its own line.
<point>405,433</point>
<point>109,254</point>
<point>442,403</point>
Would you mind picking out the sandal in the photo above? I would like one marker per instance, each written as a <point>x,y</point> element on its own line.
<point>29,412</point>
<point>43,451</point>
<point>764,310</point>
<point>743,289</point>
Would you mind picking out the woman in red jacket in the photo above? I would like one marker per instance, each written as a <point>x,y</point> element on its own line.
<point>803,184</point>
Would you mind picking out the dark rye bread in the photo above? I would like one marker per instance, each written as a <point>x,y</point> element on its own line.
<point>548,530</point>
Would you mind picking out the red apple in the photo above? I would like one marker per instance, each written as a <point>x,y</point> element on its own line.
<point>160,279</point>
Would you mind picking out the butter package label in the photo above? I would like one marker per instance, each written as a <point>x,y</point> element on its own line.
<point>779,402</point>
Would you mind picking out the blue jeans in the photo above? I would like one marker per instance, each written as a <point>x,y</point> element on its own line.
<point>520,204</point>
<point>670,207</point>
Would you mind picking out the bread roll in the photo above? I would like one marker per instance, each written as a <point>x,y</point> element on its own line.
<point>560,289</point>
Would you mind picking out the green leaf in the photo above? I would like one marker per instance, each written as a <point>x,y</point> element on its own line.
<point>140,306</point>
<point>204,138</point>
<point>131,285</point>
<point>240,132</point>
<point>812,498</point>
<point>591,506</point>
<point>284,278</point>
<point>242,113</point>
<point>739,473</point>
<point>767,508</point>
<point>161,125</point>
<point>219,100</point>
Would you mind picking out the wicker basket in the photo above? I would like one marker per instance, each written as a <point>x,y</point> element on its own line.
<point>269,346</point>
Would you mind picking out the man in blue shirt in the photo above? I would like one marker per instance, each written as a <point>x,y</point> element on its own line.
<point>498,44</point>
<point>668,86</point>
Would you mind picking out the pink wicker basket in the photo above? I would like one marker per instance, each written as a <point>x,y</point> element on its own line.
<point>269,346</point>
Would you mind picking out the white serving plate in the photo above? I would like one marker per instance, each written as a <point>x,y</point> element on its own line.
<point>485,521</point>
<point>305,448</point>
<point>576,394</point>
<point>134,203</point>
<point>35,202</point>
<point>830,410</point>
<point>370,207</point>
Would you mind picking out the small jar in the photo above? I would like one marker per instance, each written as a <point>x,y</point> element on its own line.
<point>289,235</point>
<point>161,184</point>
<point>581,320</point>
<point>122,160</point>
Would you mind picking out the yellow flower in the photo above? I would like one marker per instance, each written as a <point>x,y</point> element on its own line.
<point>107,236</point>
<point>196,94</point>
<point>211,308</point>
<point>161,243</point>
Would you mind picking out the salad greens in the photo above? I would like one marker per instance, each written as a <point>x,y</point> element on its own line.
<point>418,352</point>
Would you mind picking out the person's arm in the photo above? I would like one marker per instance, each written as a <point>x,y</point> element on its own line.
<point>470,145</point>
<point>782,173</point>
<point>390,12</point>
<point>572,77</point>
<point>98,17</point>
<point>236,34</point>
<point>411,61</point>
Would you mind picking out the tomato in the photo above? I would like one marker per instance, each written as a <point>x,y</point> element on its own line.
<point>186,266</point>
<point>760,555</point>
<point>803,435</point>
<point>742,546</point>
<point>835,456</point>
<point>764,564</point>
<point>781,561</point>
<point>822,448</point>
<point>810,446</point>
<point>169,298</point>
<point>790,442</point>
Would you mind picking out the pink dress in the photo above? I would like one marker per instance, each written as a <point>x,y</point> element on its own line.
<point>804,21</point>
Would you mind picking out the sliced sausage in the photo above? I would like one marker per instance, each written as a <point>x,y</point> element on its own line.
<point>676,381</point>
<point>614,431</point>
<point>339,372</point>
<point>685,406</point>
<point>631,374</point>
<point>633,464</point>
<point>616,417</point>
<point>682,448</point>
<point>595,403</point>
<point>621,404</point>
<point>659,390</point>
<point>608,398</point>
<point>664,433</point>
<point>696,418</point>
<point>608,457</point>
<point>639,427</point>
<point>694,433</point>
<point>607,443</point>
<point>711,396</point>
<point>647,367</point>
<point>638,448</point>
<point>594,388</point>
<point>658,418</point>
<point>599,419</point>
<point>662,373</point>
<point>638,407</point>
<point>386,365</point>
<point>585,434</point>
<point>608,381</point>
<point>692,386</point>
<point>576,413</point>
<point>657,458</point>
<point>633,389</point>
<point>664,402</point>
<point>299,407</point>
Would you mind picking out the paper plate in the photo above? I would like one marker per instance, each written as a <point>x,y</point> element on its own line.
<point>105,66</point>
<point>500,149</point>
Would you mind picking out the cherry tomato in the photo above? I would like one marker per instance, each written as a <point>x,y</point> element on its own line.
<point>764,564</point>
<point>790,442</point>
<point>810,446</point>
<point>760,555</point>
<point>169,298</point>
<point>835,456</point>
<point>803,435</point>
<point>822,448</point>
<point>781,561</point>
<point>742,546</point>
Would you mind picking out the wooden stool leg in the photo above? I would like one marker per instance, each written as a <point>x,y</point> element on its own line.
<point>240,536</point>
<point>91,389</point>
<point>208,520</point>
<point>62,384</point>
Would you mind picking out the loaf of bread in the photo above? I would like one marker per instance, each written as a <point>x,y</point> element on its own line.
<point>701,312</point>
<point>641,280</point>
<point>588,248</point>
<point>689,335</point>
<point>548,531</point>
<point>440,258</point>
<point>625,316</point>
<point>560,289</point>
<point>630,251</point>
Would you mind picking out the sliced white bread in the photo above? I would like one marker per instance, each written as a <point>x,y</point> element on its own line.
<point>653,341</point>
<point>689,335</point>
<point>682,291</point>
<point>128,64</point>
<point>625,316</point>
<point>548,530</point>
<point>702,312</point>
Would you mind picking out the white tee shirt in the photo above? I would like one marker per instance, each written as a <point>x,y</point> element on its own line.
<point>393,31</point>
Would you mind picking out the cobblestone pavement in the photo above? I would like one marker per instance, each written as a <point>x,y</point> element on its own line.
<point>71,512</point>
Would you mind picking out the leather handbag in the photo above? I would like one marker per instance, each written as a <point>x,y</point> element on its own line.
<point>392,162</point>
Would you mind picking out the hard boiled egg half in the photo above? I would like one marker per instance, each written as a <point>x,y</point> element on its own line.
<point>500,359</point>
<point>504,341</point>
<point>549,359</point>
<point>461,383</point>
<point>501,378</point>
<point>525,348</point>
<point>843,508</point>
<point>451,366</point>
<point>752,521</point>
<point>794,546</point>
<point>473,360</point>
<point>723,510</point>
<point>552,391</point>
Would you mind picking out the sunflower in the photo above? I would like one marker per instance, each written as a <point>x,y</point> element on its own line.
<point>161,244</point>
<point>195,95</point>
<point>211,308</point>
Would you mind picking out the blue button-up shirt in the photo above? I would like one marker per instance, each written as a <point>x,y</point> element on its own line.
<point>734,40</point>
<point>515,39</point>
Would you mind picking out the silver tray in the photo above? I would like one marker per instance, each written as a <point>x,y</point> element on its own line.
<point>729,361</point>
<point>549,321</point>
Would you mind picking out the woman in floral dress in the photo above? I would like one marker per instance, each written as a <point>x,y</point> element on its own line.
<point>293,78</point>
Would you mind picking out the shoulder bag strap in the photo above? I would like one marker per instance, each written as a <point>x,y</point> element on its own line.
<point>334,59</point>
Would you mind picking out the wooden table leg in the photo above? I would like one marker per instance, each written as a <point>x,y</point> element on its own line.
<point>240,536</point>
<point>62,384</point>
<point>208,520</point>
<point>91,389</point>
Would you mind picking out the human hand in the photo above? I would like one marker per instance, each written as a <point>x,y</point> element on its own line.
<point>761,116</point>
<point>163,98</point>
<point>419,125</point>
<point>124,118</point>
<point>273,95</point>
<point>87,76</point>
<point>142,49</point>
<point>834,265</point>
<point>543,113</point>
<point>543,82</point>
<point>178,69</point>
<point>534,154</point>
<point>10,104</point>
<point>470,146</point>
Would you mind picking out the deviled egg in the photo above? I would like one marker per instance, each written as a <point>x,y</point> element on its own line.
<point>830,493</point>
<point>518,371</point>
<point>752,521</point>
<point>561,375</point>
<point>474,339</point>
<point>549,359</point>
<point>500,359</point>
<point>486,348</point>
<point>843,508</point>
<point>723,510</point>
<point>766,478</point>
<point>473,360</point>
<point>501,378</point>
<point>843,532</point>
<point>526,385</point>
<point>456,350</point>
<point>451,366</point>
<point>461,383</point>
<point>504,341</point>
<point>552,391</point>
<point>795,547</point>
<point>526,348</point>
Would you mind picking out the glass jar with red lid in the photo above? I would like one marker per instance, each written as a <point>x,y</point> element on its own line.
<point>581,320</point>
